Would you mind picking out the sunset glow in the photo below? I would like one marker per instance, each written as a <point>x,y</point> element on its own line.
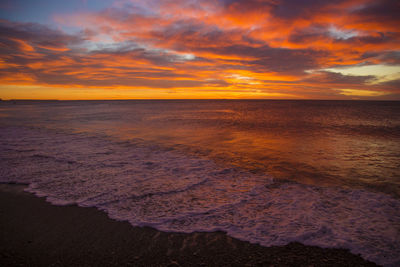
<point>130,49</point>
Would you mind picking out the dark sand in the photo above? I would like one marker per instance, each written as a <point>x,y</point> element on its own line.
<point>35,233</point>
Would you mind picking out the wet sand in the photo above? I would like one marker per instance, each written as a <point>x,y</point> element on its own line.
<point>36,233</point>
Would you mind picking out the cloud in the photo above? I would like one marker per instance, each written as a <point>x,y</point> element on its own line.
<point>37,34</point>
<point>384,12</point>
<point>262,46</point>
<point>335,79</point>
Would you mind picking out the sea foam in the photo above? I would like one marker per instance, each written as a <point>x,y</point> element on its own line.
<point>169,190</point>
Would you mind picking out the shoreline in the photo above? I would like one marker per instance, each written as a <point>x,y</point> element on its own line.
<point>37,233</point>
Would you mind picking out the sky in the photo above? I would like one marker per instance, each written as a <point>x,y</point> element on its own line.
<point>200,49</point>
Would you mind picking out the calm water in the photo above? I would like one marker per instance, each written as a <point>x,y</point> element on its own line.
<point>325,173</point>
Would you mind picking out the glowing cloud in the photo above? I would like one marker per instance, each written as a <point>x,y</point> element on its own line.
<point>354,92</point>
<point>203,49</point>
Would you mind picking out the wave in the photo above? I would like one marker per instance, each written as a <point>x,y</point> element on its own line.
<point>172,191</point>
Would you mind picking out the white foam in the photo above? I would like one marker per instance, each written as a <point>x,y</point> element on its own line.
<point>171,191</point>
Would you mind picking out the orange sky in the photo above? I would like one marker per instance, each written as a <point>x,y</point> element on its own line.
<point>200,49</point>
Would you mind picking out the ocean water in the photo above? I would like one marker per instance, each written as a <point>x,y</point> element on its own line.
<point>323,173</point>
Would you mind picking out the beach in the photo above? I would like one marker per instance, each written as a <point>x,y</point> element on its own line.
<point>36,233</point>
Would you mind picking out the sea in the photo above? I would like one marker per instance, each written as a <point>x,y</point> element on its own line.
<point>324,173</point>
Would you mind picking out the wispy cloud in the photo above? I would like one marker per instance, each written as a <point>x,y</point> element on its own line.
<point>286,48</point>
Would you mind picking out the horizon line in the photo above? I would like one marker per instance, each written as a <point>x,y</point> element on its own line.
<point>196,99</point>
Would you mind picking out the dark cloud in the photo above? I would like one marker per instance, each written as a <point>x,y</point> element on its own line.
<point>386,57</point>
<point>246,6</point>
<point>318,32</point>
<point>269,59</point>
<point>393,85</point>
<point>37,34</point>
<point>311,33</point>
<point>390,57</point>
<point>327,77</point>
<point>190,34</point>
<point>22,44</point>
<point>131,50</point>
<point>289,9</point>
<point>381,11</point>
<point>284,9</point>
<point>374,38</point>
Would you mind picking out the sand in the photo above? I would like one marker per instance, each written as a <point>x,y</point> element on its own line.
<point>36,233</point>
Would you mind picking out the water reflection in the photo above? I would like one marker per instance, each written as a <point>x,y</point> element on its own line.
<point>350,143</point>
